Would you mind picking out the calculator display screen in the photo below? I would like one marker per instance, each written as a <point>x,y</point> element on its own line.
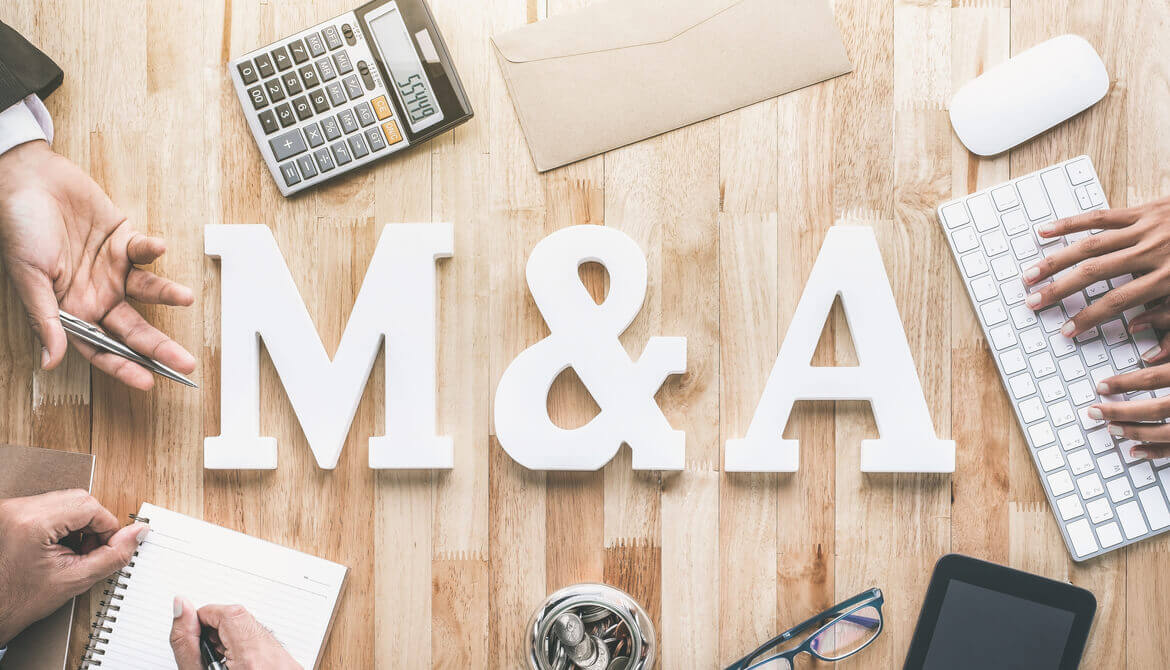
<point>405,68</point>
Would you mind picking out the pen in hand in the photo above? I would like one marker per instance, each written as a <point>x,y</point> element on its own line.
<point>211,660</point>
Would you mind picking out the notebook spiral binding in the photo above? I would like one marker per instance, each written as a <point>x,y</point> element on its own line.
<point>108,612</point>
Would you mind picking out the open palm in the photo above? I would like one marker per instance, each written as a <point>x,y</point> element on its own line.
<point>66,246</point>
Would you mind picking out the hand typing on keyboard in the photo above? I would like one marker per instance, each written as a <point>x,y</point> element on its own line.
<point>1132,242</point>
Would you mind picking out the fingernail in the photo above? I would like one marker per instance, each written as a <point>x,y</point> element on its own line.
<point>1116,431</point>
<point>1033,300</point>
<point>1152,353</point>
<point>44,358</point>
<point>1068,329</point>
<point>1138,453</point>
<point>1031,274</point>
<point>1103,389</point>
<point>1095,413</point>
<point>1046,229</point>
<point>143,534</point>
<point>178,607</point>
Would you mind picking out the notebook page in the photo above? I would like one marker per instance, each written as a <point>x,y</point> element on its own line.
<point>290,593</point>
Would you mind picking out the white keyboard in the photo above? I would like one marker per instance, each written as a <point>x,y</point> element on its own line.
<point>1102,498</point>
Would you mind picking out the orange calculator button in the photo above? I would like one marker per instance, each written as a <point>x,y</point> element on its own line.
<point>382,108</point>
<point>392,134</point>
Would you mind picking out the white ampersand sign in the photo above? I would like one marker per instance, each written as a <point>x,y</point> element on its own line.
<point>585,337</point>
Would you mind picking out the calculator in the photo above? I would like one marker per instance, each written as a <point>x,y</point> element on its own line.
<point>349,91</point>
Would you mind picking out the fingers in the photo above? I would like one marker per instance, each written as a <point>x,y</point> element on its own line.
<point>1131,294</point>
<point>238,630</point>
<point>1088,272</point>
<point>36,292</point>
<point>1062,259</point>
<point>1150,451</point>
<point>66,512</point>
<point>1145,379</point>
<point>1142,432</point>
<point>1151,409</point>
<point>89,569</point>
<point>1098,218</point>
<point>125,371</point>
<point>152,289</point>
<point>143,249</point>
<point>185,636</point>
<point>125,323</point>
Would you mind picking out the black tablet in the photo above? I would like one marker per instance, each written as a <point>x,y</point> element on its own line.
<point>979,615</point>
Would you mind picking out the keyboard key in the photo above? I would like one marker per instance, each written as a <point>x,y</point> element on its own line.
<point>1014,222</point>
<point>1062,413</point>
<point>1110,465</point>
<point>1097,288</point>
<point>1060,192</point>
<point>353,87</point>
<point>313,135</point>
<point>1069,507</point>
<point>382,109</point>
<point>1041,434</point>
<point>1042,364</point>
<point>341,152</point>
<point>1050,458</point>
<point>332,37</point>
<point>299,53</point>
<point>1081,534</point>
<point>274,89</point>
<point>1082,392</point>
<point>320,101</point>
<point>291,83</point>
<point>307,166</point>
<point>1032,195</point>
<point>1087,422</point>
<point>1101,373</point>
<point>1024,317</point>
<point>1117,282</point>
<point>1070,438</point>
<point>1013,292</point>
<point>324,159</point>
<point>256,95</point>
<point>1119,489</point>
<point>326,69</point>
<point>1082,195</point>
<point>1124,356</point>
<point>287,145</point>
<point>1060,483</point>
<point>315,43</point>
<point>1003,268</point>
<point>1079,171</point>
<point>348,122</point>
<point>1004,197</point>
<point>280,57</point>
<point>357,145</point>
<point>1024,247</point>
<point>1114,332</point>
<point>336,94</point>
<point>1071,368</point>
<point>1052,319</point>
<point>303,108</point>
<point>1099,510</point>
<point>1094,352</point>
<point>375,139</point>
<point>284,112</point>
<point>365,115</point>
<point>264,66</point>
<point>1142,474</point>
<point>1031,410</point>
<point>1012,361</point>
<point>1132,313</point>
<point>392,134</point>
<point>1002,336</point>
<point>1061,345</point>
<point>290,174</point>
<point>1100,441</point>
<point>1080,462</point>
<point>1163,476</point>
<point>1022,386</point>
<point>983,212</point>
<point>1090,486</point>
<point>1096,195</point>
<point>995,243</point>
<point>993,313</point>
<point>1074,303</point>
<point>268,122</point>
<point>954,214</point>
<point>1109,534</point>
<point>248,72</point>
<point>309,76</point>
<point>1131,519</point>
<point>1123,446</point>
<point>330,128</point>
<point>965,239</point>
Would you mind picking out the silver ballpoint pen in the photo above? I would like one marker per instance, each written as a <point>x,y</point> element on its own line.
<point>91,334</point>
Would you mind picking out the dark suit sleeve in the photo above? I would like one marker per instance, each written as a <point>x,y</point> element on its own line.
<point>24,69</point>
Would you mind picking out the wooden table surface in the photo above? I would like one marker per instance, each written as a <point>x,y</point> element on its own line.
<point>448,566</point>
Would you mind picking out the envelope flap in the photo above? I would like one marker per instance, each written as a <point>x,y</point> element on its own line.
<point>602,26</point>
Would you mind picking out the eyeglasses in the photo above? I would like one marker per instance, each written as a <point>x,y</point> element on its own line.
<point>838,632</point>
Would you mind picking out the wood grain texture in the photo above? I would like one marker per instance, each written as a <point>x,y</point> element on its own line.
<point>447,567</point>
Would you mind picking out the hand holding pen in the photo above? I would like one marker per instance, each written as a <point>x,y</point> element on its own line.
<point>203,638</point>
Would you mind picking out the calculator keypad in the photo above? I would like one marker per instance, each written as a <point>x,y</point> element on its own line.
<point>312,105</point>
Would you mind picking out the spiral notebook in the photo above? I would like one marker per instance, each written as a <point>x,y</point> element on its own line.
<point>292,594</point>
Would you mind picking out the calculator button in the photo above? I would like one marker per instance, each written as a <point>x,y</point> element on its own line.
<point>248,72</point>
<point>358,145</point>
<point>313,134</point>
<point>304,110</point>
<point>374,137</point>
<point>291,82</point>
<point>332,38</point>
<point>341,153</point>
<point>344,66</point>
<point>365,114</point>
<point>382,108</point>
<point>331,129</point>
<point>325,67</point>
<point>392,134</point>
<point>268,122</point>
<point>290,174</point>
<point>320,102</point>
<point>256,94</point>
<point>264,66</point>
<point>348,123</point>
<point>309,76</point>
<point>275,90</point>
<point>308,168</point>
<point>352,86</point>
<point>324,159</point>
<point>280,57</point>
<point>288,145</point>
<point>316,46</point>
<point>336,93</point>
<point>285,113</point>
<point>299,53</point>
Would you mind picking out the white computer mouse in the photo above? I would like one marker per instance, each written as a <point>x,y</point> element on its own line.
<point>1028,94</point>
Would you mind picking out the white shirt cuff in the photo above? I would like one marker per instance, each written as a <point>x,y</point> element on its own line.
<point>2,653</point>
<point>26,121</point>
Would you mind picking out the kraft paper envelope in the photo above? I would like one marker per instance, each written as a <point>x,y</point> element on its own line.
<point>620,71</point>
<point>26,471</point>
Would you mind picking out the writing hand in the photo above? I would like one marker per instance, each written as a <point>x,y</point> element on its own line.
<point>65,245</point>
<point>53,547</point>
<point>244,643</point>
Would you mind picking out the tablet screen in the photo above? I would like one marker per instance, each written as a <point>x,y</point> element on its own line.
<point>979,628</point>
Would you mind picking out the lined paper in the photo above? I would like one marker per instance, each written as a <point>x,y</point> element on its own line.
<point>290,593</point>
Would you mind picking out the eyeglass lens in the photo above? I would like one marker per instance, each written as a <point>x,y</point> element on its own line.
<point>848,634</point>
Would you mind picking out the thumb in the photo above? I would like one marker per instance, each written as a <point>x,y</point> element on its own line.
<point>185,636</point>
<point>111,556</point>
<point>36,292</point>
